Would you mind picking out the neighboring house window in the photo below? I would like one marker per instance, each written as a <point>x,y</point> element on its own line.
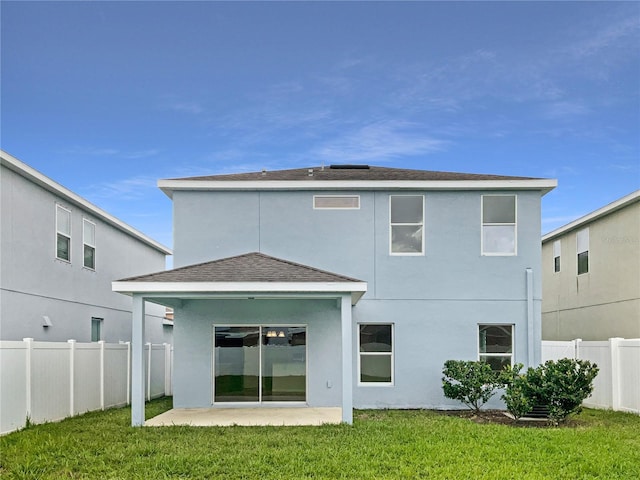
<point>89,243</point>
<point>496,345</point>
<point>63,233</point>
<point>498,224</point>
<point>406,224</point>
<point>582,240</point>
<point>375,346</point>
<point>341,202</point>
<point>96,329</point>
<point>556,256</point>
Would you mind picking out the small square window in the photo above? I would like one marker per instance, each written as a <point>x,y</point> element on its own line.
<point>375,346</point>
<point>496,345</point>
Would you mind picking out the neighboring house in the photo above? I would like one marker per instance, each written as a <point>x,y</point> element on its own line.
<point>58,257</point>
<point>591,275</point>
<point>345,286</point>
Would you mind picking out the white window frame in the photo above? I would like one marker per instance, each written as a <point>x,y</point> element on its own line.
<point>315,207</point>
<point>87,244</point>
<point>515,226</point>
<point>421,253</point>
<point>390,354</point>
<point>557,253</point>
<point>513,337</point>
<point>58,232</point>
<point>584,231</point>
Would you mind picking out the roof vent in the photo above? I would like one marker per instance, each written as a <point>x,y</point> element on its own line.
<point>349,167</point>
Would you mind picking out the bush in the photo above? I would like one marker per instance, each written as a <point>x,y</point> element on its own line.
<point>560,385</point>
<point>472,383</point>
<point>516,394</point>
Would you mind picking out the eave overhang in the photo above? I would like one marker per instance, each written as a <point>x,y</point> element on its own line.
<point>193,290</point>
<point>169,186</point>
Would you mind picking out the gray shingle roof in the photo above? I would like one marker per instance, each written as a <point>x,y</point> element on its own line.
<point>250,267</point>
<point>356,173</point>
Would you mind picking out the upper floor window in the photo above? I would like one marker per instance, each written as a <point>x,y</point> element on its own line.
<point>89,243</point>
<point>406,224</point>
<point>582,247</point>
<point>63,233</point>
<point>340,202</point>
<point>96,329</point>
<point>498,224</point>
<point>375,346</point>
<point>495,345</point>
<point>556,256</point>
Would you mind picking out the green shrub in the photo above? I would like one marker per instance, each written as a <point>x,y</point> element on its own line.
<point>516,394</point>
<point>472,383</point>
<point>560,385</point>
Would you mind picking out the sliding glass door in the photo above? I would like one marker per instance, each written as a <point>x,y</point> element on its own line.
<point>260,364</point>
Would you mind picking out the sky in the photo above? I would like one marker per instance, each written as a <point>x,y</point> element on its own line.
<point>108,97</point>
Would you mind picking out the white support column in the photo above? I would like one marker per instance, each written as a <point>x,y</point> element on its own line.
<point>614,348</point>
<point>28,352</point>
<point>72,368</point>
<point>347,359</point>
<point>137,361</point>
<point>101,343</point>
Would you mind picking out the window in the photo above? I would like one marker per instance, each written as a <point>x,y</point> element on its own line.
<point>496,345</point>
<point>556,256</point>
<point>375,345</point>
<point>96,329</point>
<point>406,224</point>
<point>333,202</point>
<point>89,243</point>
<point>582,244</point>
<point>498,224</point>
<point>63,233</point>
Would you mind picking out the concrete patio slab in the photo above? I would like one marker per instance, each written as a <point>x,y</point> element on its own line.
<point>277,416</point>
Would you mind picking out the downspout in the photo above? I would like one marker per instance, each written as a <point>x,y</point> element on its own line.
<point>530,319</point>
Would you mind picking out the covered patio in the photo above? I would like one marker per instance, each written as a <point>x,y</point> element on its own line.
<point>225,417</point>
<point>239,284</point>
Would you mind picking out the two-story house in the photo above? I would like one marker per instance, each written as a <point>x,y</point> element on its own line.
<point>591,275</point>
<point>344,286</point>
<point>58,257</point>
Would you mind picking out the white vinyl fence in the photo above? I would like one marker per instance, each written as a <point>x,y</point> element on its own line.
<point>48,381</point>
<point>617,385</point>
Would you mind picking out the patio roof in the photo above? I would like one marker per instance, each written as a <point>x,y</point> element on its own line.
<point>251,273</point>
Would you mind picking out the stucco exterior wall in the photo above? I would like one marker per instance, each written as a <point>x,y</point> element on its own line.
<point>435,301</point>
<point>33,283</point>
<point>605,302</point>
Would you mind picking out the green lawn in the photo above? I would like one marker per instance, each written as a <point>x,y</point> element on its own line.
<point>380,444</point>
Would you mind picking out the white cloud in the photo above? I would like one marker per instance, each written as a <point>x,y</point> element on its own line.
<point>379,141</point>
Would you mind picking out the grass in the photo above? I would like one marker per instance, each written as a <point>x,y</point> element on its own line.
<point>380,444</point>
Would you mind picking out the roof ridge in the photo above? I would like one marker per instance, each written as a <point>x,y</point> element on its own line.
<point>308,267</point>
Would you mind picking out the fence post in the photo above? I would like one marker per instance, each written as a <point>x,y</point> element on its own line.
<point>577,343</point>
<point>167,369</point>
<point>28,353</point>
<point>72,369</point>
<point>614,349</point>
<point>101,344</point>
<point>128,373</point>
<point>149,372</point>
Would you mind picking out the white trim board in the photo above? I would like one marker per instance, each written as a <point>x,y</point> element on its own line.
<point>169,186</point>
